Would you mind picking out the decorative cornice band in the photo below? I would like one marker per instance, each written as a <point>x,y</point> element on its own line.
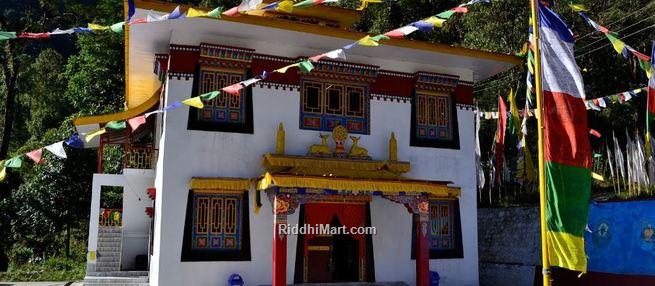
<point>180,75</point>
<point>184,48</point>
<point>386,97</point>
<point>465,106</point>
<point>283,86</point>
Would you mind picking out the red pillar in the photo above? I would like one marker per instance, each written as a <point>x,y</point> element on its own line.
<point>279,251</point>
<point>422,250</point>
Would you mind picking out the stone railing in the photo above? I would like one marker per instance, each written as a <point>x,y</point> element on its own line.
<point>140,157</point>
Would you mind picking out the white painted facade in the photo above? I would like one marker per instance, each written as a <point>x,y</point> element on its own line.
<point>188,153</point>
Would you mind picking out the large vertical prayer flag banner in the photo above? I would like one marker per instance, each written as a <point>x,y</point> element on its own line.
<point>621,237</point>
<point>566,145</point>
<point>650,114</point>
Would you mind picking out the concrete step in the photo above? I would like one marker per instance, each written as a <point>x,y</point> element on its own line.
<point>109,235</point>
<point>110,229</point>
<point>108,254</point>
<point>132,281</point>
<point>100,268</point>
<point>108,249</point>
<point>118,274</point>
<point>109,243</point>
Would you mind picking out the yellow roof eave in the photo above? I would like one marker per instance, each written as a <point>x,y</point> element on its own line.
<point>357,185</point>
<point>123,115</point>
<point>341,33</point>
<point>233,184</point>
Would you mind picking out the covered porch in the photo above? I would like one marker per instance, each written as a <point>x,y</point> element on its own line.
<point>337,192</point>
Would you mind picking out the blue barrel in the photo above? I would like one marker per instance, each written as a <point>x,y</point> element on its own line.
<point>235,280</point>
<point>434,278</point>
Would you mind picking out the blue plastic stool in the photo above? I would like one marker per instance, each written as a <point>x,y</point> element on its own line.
<point>434,278</point>
<point>235,280</point>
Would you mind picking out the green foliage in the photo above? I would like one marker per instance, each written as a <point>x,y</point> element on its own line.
<point>51,269</point>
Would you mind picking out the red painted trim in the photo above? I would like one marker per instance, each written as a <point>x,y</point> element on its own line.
<point>183,59</point>
<point>279,253</point>
<point>422,250</point>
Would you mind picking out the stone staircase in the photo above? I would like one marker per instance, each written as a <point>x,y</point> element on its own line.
<point>109,249</point>
<point>108,262</point>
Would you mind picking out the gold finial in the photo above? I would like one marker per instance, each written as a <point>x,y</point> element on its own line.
<point>393,148</point>
<point>279,144</point>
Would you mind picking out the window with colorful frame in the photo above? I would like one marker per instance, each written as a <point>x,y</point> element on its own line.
<point>445,230</point>
<point>226,112</point>
<point>434,120</point>
<point>217,226</point>
<point>324,105</point>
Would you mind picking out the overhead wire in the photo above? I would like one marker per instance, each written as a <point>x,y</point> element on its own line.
<point>620,19</point>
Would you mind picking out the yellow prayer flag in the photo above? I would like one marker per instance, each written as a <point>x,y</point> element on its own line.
<point>367,41</point>
<point>284,69</point>
<point>192,13</point>
<point>436,21</point>
<point>90,136</point>
<point>365,3</point>
<point>194,101</point>
<point>578,7</point>
<point>3,171</point>
<point>98,27</point>
<point>285,6</point>
<point>597,177</point>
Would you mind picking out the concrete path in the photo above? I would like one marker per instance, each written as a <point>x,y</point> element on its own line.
<point>40,283</point>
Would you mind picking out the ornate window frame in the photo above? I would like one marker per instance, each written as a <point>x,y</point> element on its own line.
<point>434,112</point>
<point>325,118</point>
<point>211,233</point>
<point>235,63</point>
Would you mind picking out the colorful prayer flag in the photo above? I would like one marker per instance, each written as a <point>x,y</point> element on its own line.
<point>36,155</point>
<point>365,3</point>
<point>194,101</point>
<point>193,13</point>
<point>34,35</point>
<point>116,125</point>
<point>306,66</point>
<point>3,171</point>
<point>446,14</point>
<point>93,134</point>
<point>233,89</point>
<point>75,142</point>
<point>57,149</point>
<point>566,142</point>
<point>232,12</point>
<point>619,46</point>
<point>650,101</point>
<point>15,162</point>
<point>368,41</point>
<point>175,14</point>
<point>135,122</point>
<point>401,32</point>
<point>247,5</point>
<point>210,95</point>
<point>335,54</point>
<point>7,35</point>
<point>286,68</point>
<point>170,107</point>
<point>514,128</point>
<point>118,27</point>
<point>501,126</point>
<point>285,6</point>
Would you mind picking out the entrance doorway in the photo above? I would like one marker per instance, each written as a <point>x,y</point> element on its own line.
<point>334,257</point>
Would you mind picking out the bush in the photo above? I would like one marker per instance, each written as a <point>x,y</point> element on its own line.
<point>20,254</point>
<point>51,269</point>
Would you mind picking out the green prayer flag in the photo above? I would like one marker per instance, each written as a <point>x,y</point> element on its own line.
<point>216,13</point>
<point>15,162</point>
<point>210,95</point>
<point>305,66</point>
<point>304,4</point>
<point>379,37</point>
<point>118,27</point>
<point>446,14</point>
<point>7,35</point>
<point>116,125</point>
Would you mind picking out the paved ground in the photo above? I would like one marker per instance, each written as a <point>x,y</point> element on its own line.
<point>40,283</point>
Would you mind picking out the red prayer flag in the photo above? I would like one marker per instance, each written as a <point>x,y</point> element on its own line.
<point>36,155</point>
<point>233,12</point>
<point>461,9</point>
<point>233,89</point>
<point>34,35</point>
<point>500,136</point>
<point>139,21</point>
<point>395,34</point>
<point>317,58</point>
<point>136,122</point>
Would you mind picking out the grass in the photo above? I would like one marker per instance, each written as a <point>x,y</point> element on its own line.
<point>51,269</point>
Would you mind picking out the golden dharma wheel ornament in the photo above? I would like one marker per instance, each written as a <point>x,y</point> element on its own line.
<point>340,135</point>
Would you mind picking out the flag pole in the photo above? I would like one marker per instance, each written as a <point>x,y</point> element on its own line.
<point>540,125</point>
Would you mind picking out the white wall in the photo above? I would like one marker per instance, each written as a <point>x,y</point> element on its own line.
<point>136,223</point>
<point>187,153</point>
